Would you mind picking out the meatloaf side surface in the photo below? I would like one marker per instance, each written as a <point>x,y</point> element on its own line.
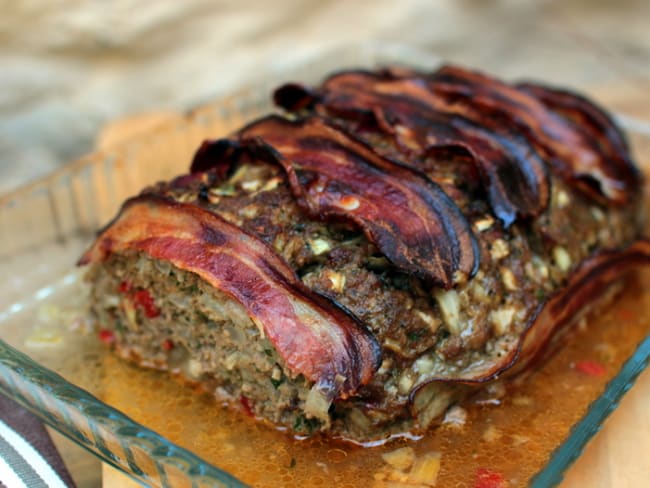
<point>395,242</point>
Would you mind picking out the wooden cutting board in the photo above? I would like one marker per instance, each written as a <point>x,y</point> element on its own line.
<point>619,455</point>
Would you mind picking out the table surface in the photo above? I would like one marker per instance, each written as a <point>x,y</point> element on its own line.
<point>601,45</point>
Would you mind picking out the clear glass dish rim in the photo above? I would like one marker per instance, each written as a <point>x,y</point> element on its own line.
<point>165,453</point>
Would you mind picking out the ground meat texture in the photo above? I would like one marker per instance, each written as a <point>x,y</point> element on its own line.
<point>424,331</point>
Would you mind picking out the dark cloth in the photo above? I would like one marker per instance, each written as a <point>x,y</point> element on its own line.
<point>31,428</point>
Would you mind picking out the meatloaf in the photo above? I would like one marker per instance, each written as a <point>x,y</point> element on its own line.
<point>389,243</point>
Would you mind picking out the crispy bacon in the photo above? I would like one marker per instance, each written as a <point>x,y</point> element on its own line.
<point>421,122</point>
<point>211,151</point>
<point>620,180</point>
<point>506,129</point>
<point>577,138</point>
<point>313,336</point>
<point>410,219</point>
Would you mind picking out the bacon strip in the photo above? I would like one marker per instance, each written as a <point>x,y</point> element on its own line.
<point>505,128</point>
<point>410,219</point>
<point>211,151</point>
<point>622,178</point>
<point>515,177</point>
<point>578,138</point>
<point>585,286</point>
<point>313,336</point>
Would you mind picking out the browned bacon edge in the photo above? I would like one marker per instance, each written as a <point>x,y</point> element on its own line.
<point>623,180</point>
<point>332,174</point>
<point>573,133</point>
<point>505,128</point>
<point>422,122</point>
<point>314,337</point>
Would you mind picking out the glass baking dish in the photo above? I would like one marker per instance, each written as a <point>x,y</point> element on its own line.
<point>52,362</point>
